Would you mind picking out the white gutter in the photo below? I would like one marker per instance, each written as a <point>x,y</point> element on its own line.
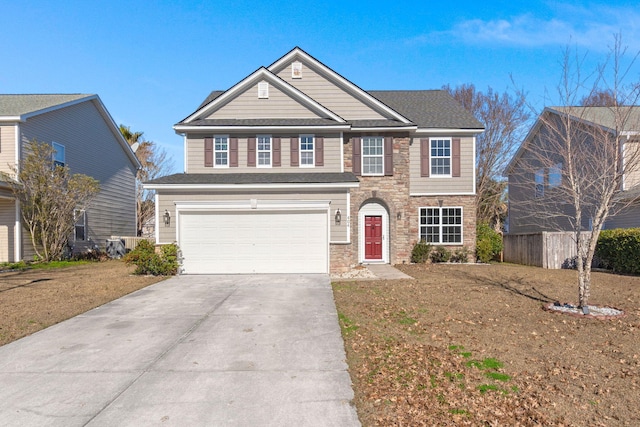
<point>182,128</point>
<point>250,186</point>
<point>449,131</point>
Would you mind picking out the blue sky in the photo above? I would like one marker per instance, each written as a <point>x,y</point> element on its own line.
<point>152,63</point>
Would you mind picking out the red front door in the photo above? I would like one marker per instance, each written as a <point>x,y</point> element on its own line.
<point>372,237</point>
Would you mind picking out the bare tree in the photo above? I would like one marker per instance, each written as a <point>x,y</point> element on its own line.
<point>154,163</point>
<point>579,162</point>
<point>48,196</point>
<point>504,117</point>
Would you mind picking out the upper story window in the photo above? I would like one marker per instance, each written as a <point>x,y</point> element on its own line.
<point>555,175</point>
<point>307,157</point>
<point>441,157</point>
<point>221,150</point>
<point>539,180</point>
<point>263,90</point>
<point>296,70</point>
<point>58,154</point>
<point>264,151</point>
<point>441,225</point>
<point>372,155</point>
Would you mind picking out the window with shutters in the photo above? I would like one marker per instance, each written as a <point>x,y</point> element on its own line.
<point>441,225</point>
<point>221,150</point>
<point>440,157</point>
<point>264,151</point>
<point>372,155</point>
<point>307,152</point>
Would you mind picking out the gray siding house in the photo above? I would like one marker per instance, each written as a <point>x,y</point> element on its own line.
<point>296,169</point>
<point>88,141</point>
<point>536,200</point>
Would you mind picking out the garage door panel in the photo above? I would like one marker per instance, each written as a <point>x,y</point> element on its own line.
<point>254,242</point>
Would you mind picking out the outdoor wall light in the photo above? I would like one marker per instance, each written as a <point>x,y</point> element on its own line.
<point>399,216</point>
<point>167,218</point>
<point>338,217</point>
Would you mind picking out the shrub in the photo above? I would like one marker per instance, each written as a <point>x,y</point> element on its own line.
<point>488,242</point>
<point>460,255</point>
<point>148,261</point>
<point>619,250</point>
<point>440,254</point>
<point>420,252</point>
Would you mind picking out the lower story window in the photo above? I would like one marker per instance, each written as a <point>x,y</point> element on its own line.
<point>80,225</point>
<point>441,225</point>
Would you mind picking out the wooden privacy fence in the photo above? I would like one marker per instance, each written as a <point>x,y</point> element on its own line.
<point>130,242</point>
<point>545,249</point>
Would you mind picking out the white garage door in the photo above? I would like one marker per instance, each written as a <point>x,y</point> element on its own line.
<point>245,242</point>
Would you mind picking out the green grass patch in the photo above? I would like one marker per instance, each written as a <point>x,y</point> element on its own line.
<point>22,265</point>
<point>403,319</point>
<point>459,412</point>
<point>483,388</point>
<point>488,363</point>
<point>346,324</point>
<point>498,376</point>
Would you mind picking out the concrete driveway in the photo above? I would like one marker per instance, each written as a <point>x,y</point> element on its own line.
<point>190,351</point>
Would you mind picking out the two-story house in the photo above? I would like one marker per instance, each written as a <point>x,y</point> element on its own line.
<point>539,195</point>
<point>296,169</point>
<point>86,139</point>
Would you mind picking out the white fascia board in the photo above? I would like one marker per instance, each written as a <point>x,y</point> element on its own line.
<point>383,129</point>
<point>264,74</point>
<point>253,204</point>
<point>442,194</point>
<point>356,92</point>
<point>449,131</point>
<point>11,119</point>
<point>185,128</point>
<point>232,187</point>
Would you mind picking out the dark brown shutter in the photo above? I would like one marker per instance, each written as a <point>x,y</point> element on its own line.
<point>388,156</point>
<point>233,152</point>
<point>424,157</point>
<point>356,161</point>
<point>276,152</point>
<point>208,152</point>
<point>455,157</point>
<point>295,158</point>
<point>251,151</point>
<point>319,151</point>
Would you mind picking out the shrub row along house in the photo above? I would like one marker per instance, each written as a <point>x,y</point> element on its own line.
<point>296,169</point>
<point>85,139</point>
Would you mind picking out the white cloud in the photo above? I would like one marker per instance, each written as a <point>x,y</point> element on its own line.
<point>591,28</point>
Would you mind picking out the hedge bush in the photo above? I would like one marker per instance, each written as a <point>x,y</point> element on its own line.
<point>488,242</point>
<point>420,252</point>
<point>440,254</point>
<point>148,261</point>
<point>619,250</point>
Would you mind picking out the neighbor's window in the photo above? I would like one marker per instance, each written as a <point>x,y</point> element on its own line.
<point>58,154</point>
<point>80,225</point>
<point>440,157</point>
<point>264,150</point>
<point>555,175</point>
<point>441,225</point>
<point>372,155</point>
<point>306,150</point>
<point>539,180</point>
<point>221,150</point>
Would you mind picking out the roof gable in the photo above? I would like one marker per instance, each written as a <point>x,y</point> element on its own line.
<point>19,107</point>
<point>328,77</point>
<point>218,100</point>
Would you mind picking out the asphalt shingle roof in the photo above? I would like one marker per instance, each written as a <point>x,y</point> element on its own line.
<point>604,116</point>
<point>257,178</point>
<point>17,105</point>
<point>264,122</point>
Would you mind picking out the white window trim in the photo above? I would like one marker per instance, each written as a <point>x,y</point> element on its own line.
<point>263,90</point>
<point>57,150</point>
<point>215,165</point>
<point>296,70</point>
<point>79,214</point>
<point>313,157</point>
<point>441,225</point>
<point>450,157</point>
<point>362,156</point>
<point>258,151</point>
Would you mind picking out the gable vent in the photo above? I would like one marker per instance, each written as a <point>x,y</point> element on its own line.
<point>296,70</point>
<point>263,90</point>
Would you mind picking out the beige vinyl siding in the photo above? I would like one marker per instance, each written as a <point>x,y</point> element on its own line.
<point>329,95</point>
<point>632,164</point>
<point>7,147</point>
<point>464,184</point>
<point>278,106</point>
<point>332,155</point>
<point>167,200</point>
<point>91,148</point>
<point>7,229</point>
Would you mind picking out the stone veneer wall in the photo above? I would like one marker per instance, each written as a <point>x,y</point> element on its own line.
<point>393,192</point>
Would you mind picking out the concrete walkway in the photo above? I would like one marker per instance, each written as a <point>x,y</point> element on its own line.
<point>386,271</point>
<point>189,351</point>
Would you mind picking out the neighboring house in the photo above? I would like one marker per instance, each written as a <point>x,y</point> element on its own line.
<point>535,204</point>
<point>87,140</point>
<point>296,169</point>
